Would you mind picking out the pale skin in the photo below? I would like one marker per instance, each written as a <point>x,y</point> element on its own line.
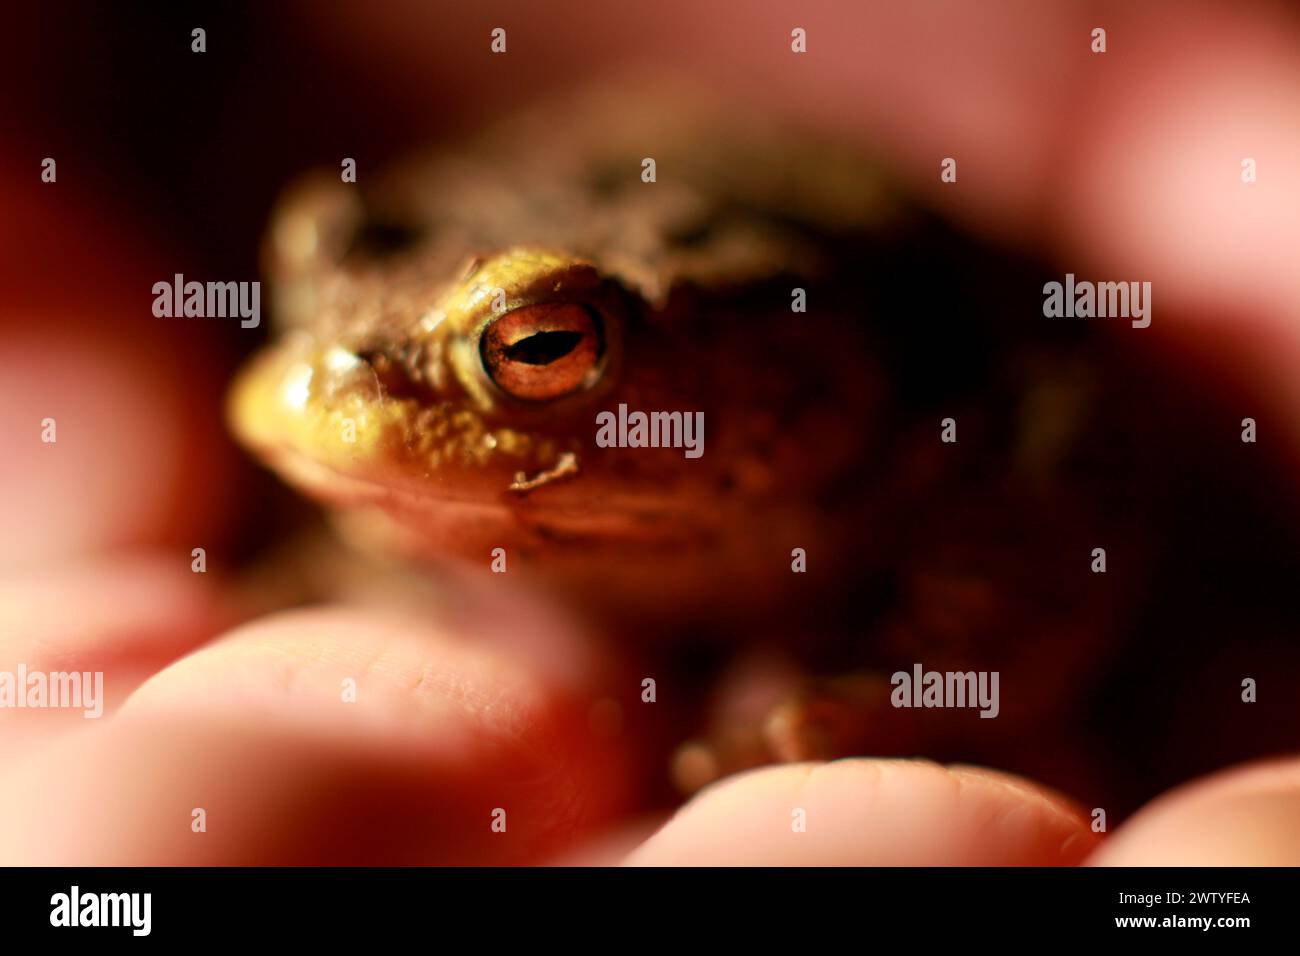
<point>201,717</point>
<point>250,728</point>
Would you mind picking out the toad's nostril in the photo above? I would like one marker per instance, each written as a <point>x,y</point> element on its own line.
<point>542,348</point>
<point>378,239</point>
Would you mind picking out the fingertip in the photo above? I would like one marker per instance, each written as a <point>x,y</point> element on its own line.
<point>1246,816</point>
<point>867,812</point>
<point>387,725</point>
<point>110,623</point>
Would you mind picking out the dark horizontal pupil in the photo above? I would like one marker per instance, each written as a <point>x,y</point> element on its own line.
<point>542,348</point>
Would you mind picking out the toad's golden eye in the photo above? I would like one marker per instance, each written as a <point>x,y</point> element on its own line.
<point>544,351</point>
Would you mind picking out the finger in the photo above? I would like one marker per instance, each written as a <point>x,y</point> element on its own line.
<point>1248,816</point>
<point>110,440</point>
<point>112,624</point>
<point>871,813</point>
<point>315,737</point>
<point>611,847</point>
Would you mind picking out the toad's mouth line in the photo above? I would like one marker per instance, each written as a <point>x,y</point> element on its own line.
<point>578,514</point>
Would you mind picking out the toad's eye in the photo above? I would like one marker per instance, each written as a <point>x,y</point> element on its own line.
<point>544,351</point>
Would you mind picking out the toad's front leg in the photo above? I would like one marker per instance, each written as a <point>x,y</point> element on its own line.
<point>767,711</point>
